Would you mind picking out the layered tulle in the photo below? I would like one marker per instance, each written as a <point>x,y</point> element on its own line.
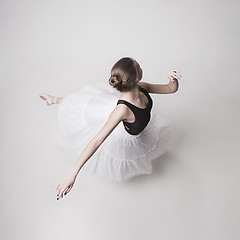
<point>122,156</point>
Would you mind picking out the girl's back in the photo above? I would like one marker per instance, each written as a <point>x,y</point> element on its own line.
<point>89,120</point>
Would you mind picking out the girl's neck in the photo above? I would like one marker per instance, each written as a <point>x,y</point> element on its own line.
<point>132,95</point>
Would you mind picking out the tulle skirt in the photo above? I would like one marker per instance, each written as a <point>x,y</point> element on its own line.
<point>122,156</point>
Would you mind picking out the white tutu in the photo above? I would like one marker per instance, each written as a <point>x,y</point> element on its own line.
<point>122,156</point>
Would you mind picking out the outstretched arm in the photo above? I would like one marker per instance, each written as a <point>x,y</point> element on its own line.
<point>171,87</point>
<point>116,116</point>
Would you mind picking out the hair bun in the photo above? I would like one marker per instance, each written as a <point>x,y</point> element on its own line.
<point>115,80</point>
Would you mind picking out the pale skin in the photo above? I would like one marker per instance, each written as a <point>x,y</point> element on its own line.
<point>120,113</point>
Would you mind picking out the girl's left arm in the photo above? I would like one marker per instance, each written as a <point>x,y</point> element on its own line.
<point>116,116</point>
<point>171,87</point>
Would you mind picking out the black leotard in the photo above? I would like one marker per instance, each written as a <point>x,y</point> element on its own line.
<point>142,115</point>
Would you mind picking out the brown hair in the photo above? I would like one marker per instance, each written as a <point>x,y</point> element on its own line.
<point>124,74</point>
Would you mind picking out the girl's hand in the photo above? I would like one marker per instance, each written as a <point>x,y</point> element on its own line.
<point>65,184</point>
<point>174,75</point>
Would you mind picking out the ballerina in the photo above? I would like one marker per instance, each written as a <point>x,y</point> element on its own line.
<point>89,120</point>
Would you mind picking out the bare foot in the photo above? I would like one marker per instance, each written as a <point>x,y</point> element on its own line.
<point>50,99</point>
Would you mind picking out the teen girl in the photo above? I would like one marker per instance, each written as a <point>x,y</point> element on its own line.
<point>111,127</point>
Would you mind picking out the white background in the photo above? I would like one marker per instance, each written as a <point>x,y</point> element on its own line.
<point>58,46</point>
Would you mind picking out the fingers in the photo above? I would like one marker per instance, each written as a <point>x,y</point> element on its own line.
<point>65,185</point>
<point>58,188</point>
<point>174,74</point>
<point>172,77</point>
<point>59,193</point>
<point>63,192</point>
<point>68,190</point>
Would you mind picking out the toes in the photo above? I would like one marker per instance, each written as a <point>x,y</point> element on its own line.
<point>42,97</point>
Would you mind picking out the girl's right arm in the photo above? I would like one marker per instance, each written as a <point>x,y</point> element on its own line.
<point>116,116</point>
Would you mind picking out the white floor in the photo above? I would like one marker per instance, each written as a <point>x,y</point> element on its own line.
<point>56,47</point>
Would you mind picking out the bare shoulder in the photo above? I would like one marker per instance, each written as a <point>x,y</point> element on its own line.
<point>121,110</point>
<point>118,114</point>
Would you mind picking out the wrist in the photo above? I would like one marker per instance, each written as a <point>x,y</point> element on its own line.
<point>168,85</point>
<point>74,171</point>
<point>173,86</point>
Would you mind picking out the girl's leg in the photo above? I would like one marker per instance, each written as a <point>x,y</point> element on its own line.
<point>59,100</point>
<point>51,99</point>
